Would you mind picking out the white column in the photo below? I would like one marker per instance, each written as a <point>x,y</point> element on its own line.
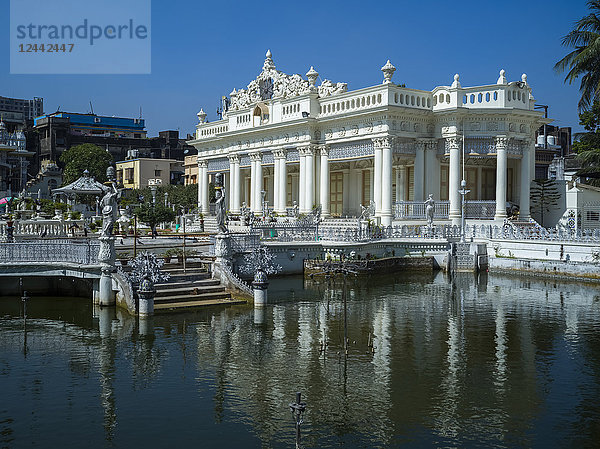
<point>386,179</point>
<point>432,170</point>
<point>258,186</point>
<point>528,150</point>
<point>237,189</point>
<point>377,177</point>
<point>310,178</point>
<point>401,183</point>
<point>200,185</point>
<point>324,181</point>
<point>454,144</point>
<point>501,171</point>
<point>252,196</point>
<point>276,169</point>
<point>232,182</point>
<point>302,182</point>
<point>419,174</point>
<point>203,174</point>
<point>282,192</point>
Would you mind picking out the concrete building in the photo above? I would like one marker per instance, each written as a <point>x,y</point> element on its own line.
<point>552,144</point>
<point>14,160</point>
<point>20,112</point>
<point>324,145</point>
<point>135,173</point>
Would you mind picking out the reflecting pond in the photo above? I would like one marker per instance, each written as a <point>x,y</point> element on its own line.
<point>484,361</point>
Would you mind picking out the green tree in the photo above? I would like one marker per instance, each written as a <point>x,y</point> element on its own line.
<point>584,61</point>
<point>85,157</point>
<point>185,197</point>
<point>587,145</point>
<point>544,197</point>
<point>152,215</point>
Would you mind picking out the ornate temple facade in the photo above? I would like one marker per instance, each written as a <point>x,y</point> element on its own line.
<point>285,140</point>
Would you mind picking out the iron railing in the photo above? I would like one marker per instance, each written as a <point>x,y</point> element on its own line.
<point>84,253</point>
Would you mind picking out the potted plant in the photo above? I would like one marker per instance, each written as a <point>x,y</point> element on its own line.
<point>169,254</point>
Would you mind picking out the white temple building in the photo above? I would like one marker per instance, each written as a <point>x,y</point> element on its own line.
<point>299,142</point>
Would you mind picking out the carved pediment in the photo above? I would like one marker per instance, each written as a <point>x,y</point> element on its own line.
<point>271,83</point>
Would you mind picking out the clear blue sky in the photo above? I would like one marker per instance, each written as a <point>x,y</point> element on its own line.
<point>202,50</point>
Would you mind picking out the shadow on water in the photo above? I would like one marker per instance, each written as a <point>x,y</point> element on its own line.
<point>429,360</point>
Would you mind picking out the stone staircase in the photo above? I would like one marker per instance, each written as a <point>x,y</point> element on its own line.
<point>190,290</point>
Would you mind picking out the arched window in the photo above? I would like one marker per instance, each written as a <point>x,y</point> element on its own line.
<point>260,115</point>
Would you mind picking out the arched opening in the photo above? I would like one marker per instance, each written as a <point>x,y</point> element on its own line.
<point>260,115</point>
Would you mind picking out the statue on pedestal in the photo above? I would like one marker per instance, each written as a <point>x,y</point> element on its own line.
<point>429,210</point>
<point>220,204</point>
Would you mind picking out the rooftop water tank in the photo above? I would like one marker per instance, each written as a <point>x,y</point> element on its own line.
<point>551,140</point>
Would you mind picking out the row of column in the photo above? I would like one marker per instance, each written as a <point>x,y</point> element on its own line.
<point>426,166</point>
<point>527,161</point>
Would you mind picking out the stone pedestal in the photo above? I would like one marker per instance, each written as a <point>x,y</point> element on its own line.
<point>106,257</point>
<point>259,288</point>
<point>146,295</point>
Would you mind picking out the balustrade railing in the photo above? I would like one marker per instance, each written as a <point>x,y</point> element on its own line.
<point>415,210</point>
<point>84,253</point>
<point>49,228</point>
<point>480,209</point>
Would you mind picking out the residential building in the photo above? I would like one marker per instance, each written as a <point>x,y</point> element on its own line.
<point>390,145</point>
<point>190,166</point>
<point>136,173</point>
<point>551,142</point>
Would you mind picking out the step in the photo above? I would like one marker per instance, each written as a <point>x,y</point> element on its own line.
<point>184,298</point>
<point>184,306</point>
<point>196,270</point>
<point>166,292</point>
<point>176,284</point>
<point>189,277</point>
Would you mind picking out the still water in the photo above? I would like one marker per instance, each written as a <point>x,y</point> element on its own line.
<point>473,362</point>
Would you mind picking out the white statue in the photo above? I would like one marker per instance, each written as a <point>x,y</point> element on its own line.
<point>429,209</point>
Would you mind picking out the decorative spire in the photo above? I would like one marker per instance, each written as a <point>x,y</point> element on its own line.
<point>269,64</point>
<point>388,71</point>
<point>312,76</point>
<point>502,78</point>
<point>201,115</point>
<point>456,83</point>
<point>524,78</point>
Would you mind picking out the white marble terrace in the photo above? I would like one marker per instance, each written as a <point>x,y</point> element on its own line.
<point>322,144</point>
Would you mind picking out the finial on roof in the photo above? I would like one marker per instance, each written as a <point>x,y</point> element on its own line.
<point>86,173</point>
<point>502,78</point>
<point>524,78</point>
<point>201,115</point>
<point>388,71</point>
<point>312,76</point>
<point>456,83</point>
<point>269,64</point>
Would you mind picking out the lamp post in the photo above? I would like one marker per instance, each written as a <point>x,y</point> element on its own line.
<point>166,198</point>
<point>463,192</point>
<point>298,408</point>
<point>183,223</point>
<point>264,211</point>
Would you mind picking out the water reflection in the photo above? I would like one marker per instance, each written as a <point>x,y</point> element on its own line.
<point>489,361</point>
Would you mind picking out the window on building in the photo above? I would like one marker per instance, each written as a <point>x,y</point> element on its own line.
<point>157,172</point>
<point>289,191</point>
<point>488,184</point>
<point>444,183</point>
<point>592,215</point>
<point>137,135</point>
<point>366,190</point>
<point>410,179</point>
<point>120,175</point>
<point>129,175</point>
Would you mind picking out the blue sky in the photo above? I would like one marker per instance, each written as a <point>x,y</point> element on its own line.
<point>202,50</point>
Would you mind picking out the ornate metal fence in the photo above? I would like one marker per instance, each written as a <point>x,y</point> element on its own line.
<point>84,253</point>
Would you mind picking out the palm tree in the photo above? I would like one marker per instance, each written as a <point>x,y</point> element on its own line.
<point>584,61</point>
